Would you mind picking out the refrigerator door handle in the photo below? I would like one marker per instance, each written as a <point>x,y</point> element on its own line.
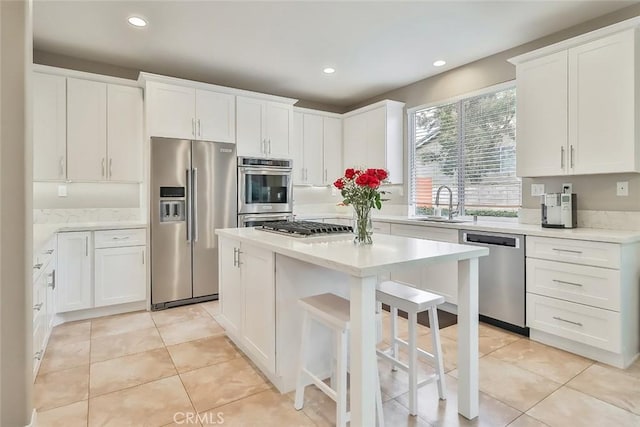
<point>189,207</point>
<point>194,181</point>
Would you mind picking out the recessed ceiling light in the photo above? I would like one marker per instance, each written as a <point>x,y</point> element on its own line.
<point>136,21</point>
<point>329,70</point>
<point>439,63</point>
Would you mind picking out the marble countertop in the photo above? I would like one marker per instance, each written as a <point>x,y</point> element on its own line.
<point>592,234</point>
<point>337,252</point>
<point>43,232</point>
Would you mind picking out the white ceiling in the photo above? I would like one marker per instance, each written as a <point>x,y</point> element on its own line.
<point>282,47</point>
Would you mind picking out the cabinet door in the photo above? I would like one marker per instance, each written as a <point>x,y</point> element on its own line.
<point>313,131</point>
<point>297,149</point>
<point>355,134</point>
<point>230,286</point>
<point>86,130</point>
<point>49,127</point>
<point>332,153</point>
<point>250,137</point>
<point>376,138</point>
<point>120,275</point>
<point>542,116</point>
<point>258,283</point>
<point>216,116</point>
<point>74,272</point>
<point>124,133</point>
<point>278,127</point>
<point>171,110</point>
<point>602,114</point>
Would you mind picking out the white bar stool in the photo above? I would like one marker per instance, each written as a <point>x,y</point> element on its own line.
<point>413,301</point>
<point>333,312</point>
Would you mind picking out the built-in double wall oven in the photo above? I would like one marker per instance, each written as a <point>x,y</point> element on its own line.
<point>265,190</point>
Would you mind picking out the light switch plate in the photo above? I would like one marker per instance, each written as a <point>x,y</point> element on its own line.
<point>537,189</point>
<point>622,188</point>
<point>62,190</point>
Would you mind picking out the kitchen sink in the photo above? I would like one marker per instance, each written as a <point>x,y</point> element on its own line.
<point>442,219</point>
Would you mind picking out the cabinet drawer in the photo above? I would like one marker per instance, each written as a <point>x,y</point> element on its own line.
<point>588,325</point>
<point>119,238</point>
<point>598,287</point>
<point>597,254</point>
<point>425,232</point>
<point>381,227</point>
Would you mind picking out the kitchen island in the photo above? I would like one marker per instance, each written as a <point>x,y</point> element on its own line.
<point>263,274</point>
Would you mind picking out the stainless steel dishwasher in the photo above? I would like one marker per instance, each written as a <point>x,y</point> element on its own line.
<point>501,292</point>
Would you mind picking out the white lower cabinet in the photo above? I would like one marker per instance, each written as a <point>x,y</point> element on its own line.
<point>119,275</point>
<point>247,295</point>
<point>75,259</point>
<point>44,300</point>
<point>583,297</point>
<point>102,268</point>
<point>442,278</point>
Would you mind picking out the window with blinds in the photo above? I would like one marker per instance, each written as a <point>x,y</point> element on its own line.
<point>468,146</point>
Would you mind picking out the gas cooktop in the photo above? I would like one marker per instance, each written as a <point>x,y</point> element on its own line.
<point>305,228</point>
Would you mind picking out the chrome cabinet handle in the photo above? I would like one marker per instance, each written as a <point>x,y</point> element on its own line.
<point>61,167</point>
<point>194,179</point>
<point>567,283</point>
<point>38,307</point>
<point>199,128</point>
<point>269,145</point>
<point>189,207</point>
<point>37,266</point>
<point>567,321</point>
<point>193,127</point>
<point>38,355</point>
<point>561,157</point>
<point>52,276</point>
<point>239,262</point>
<point>103,166</point>
<point>235,257</point>
<point>143,257</point>
<point>86,246</point>
<point>264,146</point>
<point>110,167</point>
<point>571,155</point>
<point>567,250</point>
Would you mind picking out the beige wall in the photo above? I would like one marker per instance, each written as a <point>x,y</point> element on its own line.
<point>594,192</point>
<point>15,213</point>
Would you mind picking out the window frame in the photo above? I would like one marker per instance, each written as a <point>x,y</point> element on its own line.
<point>411,133</point>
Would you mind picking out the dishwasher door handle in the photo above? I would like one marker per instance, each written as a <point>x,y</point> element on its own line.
<point>489,240</point>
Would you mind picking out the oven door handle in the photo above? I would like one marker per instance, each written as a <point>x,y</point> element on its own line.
<point>263,170</point>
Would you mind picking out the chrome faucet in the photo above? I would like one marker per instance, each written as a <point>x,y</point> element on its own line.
<point>450,199</point>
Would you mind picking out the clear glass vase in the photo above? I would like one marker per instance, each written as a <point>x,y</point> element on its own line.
<point>362,225</point>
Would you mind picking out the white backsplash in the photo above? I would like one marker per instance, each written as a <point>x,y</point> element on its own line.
<point>323,208</point>
<point>609,220</point>
<point>64,216</point>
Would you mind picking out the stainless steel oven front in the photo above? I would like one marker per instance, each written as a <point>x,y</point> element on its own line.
<point>264,185</point>
<point>255,220</point>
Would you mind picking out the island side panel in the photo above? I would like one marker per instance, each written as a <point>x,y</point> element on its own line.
<point>468,393</point>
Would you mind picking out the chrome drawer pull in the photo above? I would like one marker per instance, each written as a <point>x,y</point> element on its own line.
<point>567,321</point>
<point>49,252</point>
<point>38,355</point>
<point>567,283</point>
<point>567,250</point>
<point>38,307</point>
<point>120,238</point>
<point>37,266</point>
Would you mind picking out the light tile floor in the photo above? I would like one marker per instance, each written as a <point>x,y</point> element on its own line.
<point>163,368</point>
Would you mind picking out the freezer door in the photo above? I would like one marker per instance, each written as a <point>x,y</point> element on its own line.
<point>214,206</point>
<point>170,242</point>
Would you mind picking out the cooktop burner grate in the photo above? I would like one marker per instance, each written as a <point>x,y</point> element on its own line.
<point>305,228</point>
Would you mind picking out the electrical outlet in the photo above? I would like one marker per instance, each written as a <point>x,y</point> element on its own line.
<point>622,188</point>
<point>567,188</point>
<point>401,190</point>
<point>334,191</point>
<point>62,190</point>
<point>537,189</point>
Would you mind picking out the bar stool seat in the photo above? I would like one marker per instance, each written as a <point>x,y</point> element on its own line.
<point>412,300</point>
<point>333,312</point>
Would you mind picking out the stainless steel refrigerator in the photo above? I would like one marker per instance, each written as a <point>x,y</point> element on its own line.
<point>193,193</point>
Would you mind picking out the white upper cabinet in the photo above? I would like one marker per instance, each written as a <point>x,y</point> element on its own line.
<point>176,111</point>
<point>316,147</point>
<point>86,130</point>
<point>577,106</point>
<point>171,110</point>
<point>124,133</point>
<point>263,128</point>
<point>373,138</point>
<point>215,116</point>
<point>49,127</point>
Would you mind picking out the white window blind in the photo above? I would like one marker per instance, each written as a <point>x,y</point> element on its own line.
<point>469,146</point>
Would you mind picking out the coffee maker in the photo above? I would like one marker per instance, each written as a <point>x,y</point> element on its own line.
<point>559,210</point>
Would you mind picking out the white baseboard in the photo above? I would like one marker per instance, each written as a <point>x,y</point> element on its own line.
<point>34,419</point>
<point>73,316</point>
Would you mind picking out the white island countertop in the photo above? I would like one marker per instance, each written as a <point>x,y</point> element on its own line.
<point>337,252</point>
